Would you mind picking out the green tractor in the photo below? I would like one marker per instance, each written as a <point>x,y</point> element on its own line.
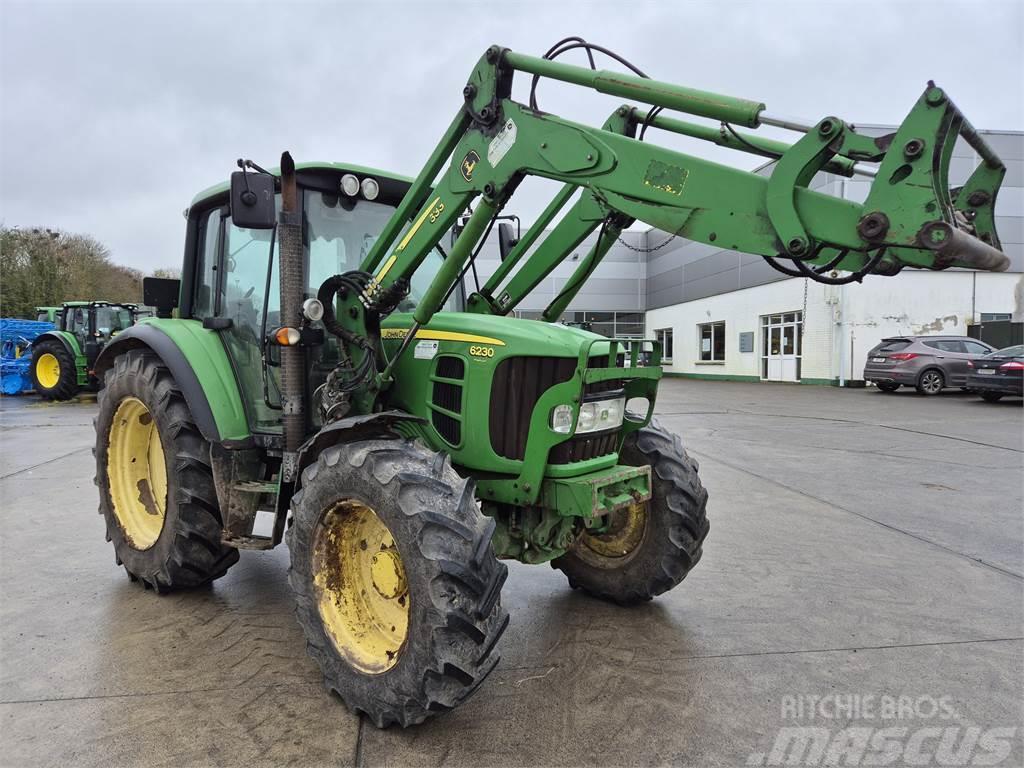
<point>327,381</point>
<point>48,314</point>
<point>63,359</point>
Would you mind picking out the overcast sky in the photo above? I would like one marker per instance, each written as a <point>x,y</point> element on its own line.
<point>115,115</point>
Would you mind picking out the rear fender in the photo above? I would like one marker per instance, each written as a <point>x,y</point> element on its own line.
<point>200,366</point>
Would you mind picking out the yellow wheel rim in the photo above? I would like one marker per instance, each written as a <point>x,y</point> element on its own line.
<point>137,474</point>
<point>361,587</point>
<point>48,370</point>
<point>625,532</point>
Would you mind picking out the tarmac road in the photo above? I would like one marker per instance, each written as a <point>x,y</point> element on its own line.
<point>864,547</point>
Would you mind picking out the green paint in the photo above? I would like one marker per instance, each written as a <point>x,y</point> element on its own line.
<point>205,353</point>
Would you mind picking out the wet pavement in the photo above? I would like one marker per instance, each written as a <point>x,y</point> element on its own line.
<point>863,572</point>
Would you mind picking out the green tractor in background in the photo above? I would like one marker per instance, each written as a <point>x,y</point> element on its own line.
<point>48,315</point>
<point>326,371</point>
<point>63,359</point>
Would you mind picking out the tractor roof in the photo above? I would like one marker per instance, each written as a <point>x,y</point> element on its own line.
<point>96,303</point>
<point>359,170</point>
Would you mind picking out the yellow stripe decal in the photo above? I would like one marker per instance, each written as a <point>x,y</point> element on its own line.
<point>454,336</point>
<point>418,224</point>
<point>387,265</point>
<point>398,333</point>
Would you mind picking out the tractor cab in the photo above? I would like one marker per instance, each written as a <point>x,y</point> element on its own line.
<point>231,275</point>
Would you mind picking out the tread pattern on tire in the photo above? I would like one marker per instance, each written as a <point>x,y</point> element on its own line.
<point>189,552</point>
<point>446,658</point>
<point>665,559</point>
<point>67,384</point>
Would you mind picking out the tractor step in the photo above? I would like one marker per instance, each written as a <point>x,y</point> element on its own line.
<point>248,542</point>
<point>256,486</point>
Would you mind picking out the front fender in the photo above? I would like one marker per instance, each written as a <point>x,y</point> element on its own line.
<point>200,366</point>
<point>349,429</point>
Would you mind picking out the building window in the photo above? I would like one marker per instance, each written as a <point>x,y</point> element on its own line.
<point>712,341</point>
<point>989,317</point>
<point>664,337</point>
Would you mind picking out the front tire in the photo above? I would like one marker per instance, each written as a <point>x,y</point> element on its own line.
<point>991,397</point>
<point>396,583</point>
<point>649,548</point>
<point>931,382</point>
<point>54,375</point>
<point>157,493</point>
<point>885,386</point>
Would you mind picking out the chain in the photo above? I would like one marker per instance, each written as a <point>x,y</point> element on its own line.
<point>648,250</point>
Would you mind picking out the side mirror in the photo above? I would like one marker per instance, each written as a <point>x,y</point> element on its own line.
<point>161,293</point>
<point>252,200</point>
<point>506,239</point>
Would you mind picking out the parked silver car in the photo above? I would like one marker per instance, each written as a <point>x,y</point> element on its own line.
<point>929,363</point>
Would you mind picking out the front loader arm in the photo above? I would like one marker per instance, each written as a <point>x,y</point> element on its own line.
<point>910,217</point>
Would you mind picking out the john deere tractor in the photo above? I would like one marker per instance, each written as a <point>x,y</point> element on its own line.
<point>328,382</point>
<point>63,359</point>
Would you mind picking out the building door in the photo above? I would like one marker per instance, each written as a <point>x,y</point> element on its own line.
<point>780,346</point>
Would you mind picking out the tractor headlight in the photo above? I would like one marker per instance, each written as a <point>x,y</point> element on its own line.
<point>312,309</point>
<point>595,416</point>
<point>561,419</point>
<point>370,188</point>
<point>350,185</point>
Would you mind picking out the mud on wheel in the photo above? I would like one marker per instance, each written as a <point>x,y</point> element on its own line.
<point>157,494</point>
<point>647,548</point>
<point>396,583</point>
<point>54,375</point>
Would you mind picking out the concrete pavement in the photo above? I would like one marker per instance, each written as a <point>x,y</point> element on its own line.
<point>863,545</point>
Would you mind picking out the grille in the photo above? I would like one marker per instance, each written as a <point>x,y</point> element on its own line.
<point>518,384</point>
<point>449,367</point>
<point>583,447</point>
<point>448,395</point>
<point>447,427</point>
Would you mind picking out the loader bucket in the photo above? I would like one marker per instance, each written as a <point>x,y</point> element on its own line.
<point>911,208</point>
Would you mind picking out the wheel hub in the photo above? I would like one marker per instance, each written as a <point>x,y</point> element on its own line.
<point>48,370</point>
<point>137,474</point>
<point>387,574</point>
<point>361,586</point>
<point>624,534</point>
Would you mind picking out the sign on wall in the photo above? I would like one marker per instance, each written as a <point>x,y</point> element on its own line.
<point>747,341</point>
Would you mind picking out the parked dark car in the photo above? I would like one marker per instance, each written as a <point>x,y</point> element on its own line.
<point>928,363</point>
<point>998,374</point>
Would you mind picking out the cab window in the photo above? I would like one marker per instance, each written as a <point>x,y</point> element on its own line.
<point>204,297</point>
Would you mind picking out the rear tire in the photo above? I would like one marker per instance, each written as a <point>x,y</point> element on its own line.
<point>54,375</point>
<point>885,386</point>
<point>157,493</point>
<point>396,583</point>
<point>991,397</point>
<point>931,382</point>
<point>648,551</point>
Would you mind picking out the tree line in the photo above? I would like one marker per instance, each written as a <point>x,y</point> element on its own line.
<point>41,267</point>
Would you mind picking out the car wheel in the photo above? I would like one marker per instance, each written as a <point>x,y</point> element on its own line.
<point>887,386</point>
<point>931,382</point>
<point>991,397</point>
